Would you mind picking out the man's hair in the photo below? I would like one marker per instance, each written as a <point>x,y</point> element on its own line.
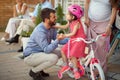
<point>45,13</point>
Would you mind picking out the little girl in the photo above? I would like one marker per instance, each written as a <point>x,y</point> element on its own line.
<point>73,50</point>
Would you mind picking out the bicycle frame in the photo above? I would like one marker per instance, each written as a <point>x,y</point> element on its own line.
<point>89,62</point>
<point>90,59</point>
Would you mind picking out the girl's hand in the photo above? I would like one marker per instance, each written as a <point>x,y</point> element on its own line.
<point>87,22</point>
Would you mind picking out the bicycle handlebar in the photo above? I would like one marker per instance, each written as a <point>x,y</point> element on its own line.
<point>90,41</point>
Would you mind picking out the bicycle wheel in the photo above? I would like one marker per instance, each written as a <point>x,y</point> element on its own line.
<point>96,72</point>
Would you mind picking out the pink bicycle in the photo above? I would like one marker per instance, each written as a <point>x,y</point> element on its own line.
<point>88,65</point>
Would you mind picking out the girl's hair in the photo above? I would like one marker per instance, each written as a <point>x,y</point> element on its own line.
<point>75,17</point>
<point>114,3</point>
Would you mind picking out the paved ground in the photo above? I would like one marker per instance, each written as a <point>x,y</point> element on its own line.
<point>13,68</point>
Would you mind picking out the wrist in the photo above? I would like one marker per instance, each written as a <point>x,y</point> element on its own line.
<point>109,25</point>
<point>65,36</point>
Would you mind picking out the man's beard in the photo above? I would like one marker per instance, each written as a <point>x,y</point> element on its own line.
<point>52,23</point>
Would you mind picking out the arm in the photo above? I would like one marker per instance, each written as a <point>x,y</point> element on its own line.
<point>87,22</point>
<point>112,18</point>
<point>43,42</point>
<point>62,26</point>
<point>74,31</point>
<point>47,5</point>
<point>35,12</point>
<point>63,41</point>
<point>24,9</point>
<point>14,11</point>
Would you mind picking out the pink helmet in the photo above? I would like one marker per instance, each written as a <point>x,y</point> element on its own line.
<point>76,10</point>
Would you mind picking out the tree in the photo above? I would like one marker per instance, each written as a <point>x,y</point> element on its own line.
<point>60,18</point>
<point>38,18</point>
<point>31,28</point>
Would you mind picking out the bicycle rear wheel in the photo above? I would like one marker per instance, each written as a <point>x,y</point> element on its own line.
<point>96,72</point>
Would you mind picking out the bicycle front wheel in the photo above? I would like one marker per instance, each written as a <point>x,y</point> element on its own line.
<point>96,72</point>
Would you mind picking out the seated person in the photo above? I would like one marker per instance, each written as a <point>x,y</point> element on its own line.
<point>19,11</point>
<point>31,22</point>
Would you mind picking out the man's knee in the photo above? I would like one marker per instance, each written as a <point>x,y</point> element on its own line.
<point>53,58</point>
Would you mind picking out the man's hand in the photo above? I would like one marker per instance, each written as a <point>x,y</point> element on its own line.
<point>60,36</point>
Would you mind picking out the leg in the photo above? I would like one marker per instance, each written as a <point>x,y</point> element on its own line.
<point>101,52</point>
<point>74,61</point>
<point>40,61</point>
<point>12,26</point>
<point>9,31</point>
<point>64,57</point>
<point>24,25</point>
<point>75,68</point>
<point>101,47</point>
<point>5,37</point>
<point>65,66</point>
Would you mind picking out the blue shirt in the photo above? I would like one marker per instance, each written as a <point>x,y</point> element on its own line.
<point>40,40</point>
<point>46,4</point>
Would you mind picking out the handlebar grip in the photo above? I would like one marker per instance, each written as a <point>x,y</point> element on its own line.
<point>104,35</point>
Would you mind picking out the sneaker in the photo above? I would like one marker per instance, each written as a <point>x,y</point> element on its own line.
<point>77,75</point>
<point>64,69</point>
<point>44,74</point>
<point>59,75</point>
<point>70,73</point>
<point>35,76</point>
<point>2,39</point>
<point>21,49</point>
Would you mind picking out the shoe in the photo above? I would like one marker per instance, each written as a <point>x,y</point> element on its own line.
<point>35,76</point>
<point>14,39</point>
<point>70,73</point>
<point>2,39</point>
<point>64,69</point>
<point>20,50</point>
<point>77,74</point>
<point>81,70</point>
<point>44,74</point>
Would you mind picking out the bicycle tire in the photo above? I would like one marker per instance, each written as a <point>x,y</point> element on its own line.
<point>100,74</point>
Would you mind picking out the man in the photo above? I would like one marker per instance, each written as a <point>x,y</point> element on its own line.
<point>40,52</point>
<point>26,23</point>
